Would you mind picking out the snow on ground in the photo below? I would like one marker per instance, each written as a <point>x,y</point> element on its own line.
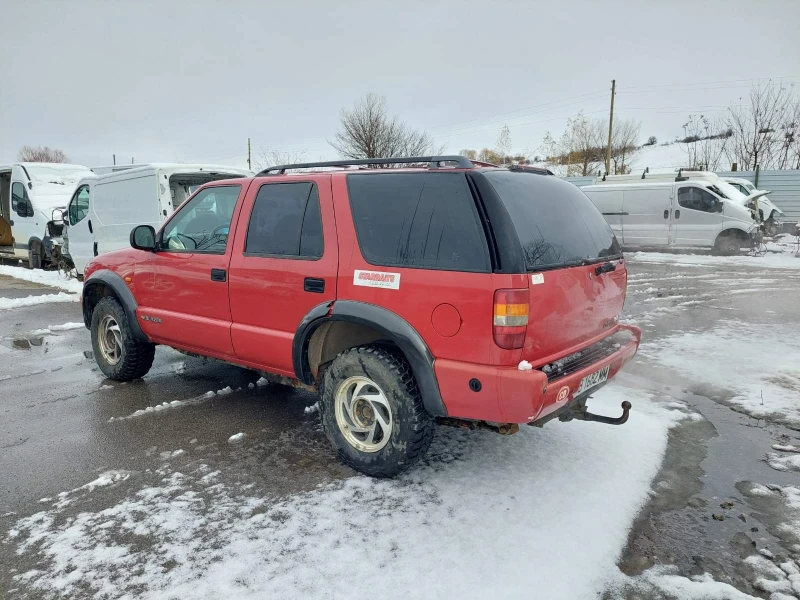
<point>65,326</point>
<point>9,303</point>
<point>663,581</point>
<point>484,516</point>
<point>51,278</point>
<point>782,260</point>
<point>750,361</point>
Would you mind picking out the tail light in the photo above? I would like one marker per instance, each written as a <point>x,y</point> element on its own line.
<point>510,317</point>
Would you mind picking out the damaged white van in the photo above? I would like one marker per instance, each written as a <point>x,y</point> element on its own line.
<point>106,205</point>
<point>32,199</point>
<point>691,213</point>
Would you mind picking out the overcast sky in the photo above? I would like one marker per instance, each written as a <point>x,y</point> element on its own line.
<point>191,81</point>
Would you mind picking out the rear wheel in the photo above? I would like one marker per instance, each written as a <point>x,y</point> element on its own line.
<point>119,355</point>
<point>372,411</point>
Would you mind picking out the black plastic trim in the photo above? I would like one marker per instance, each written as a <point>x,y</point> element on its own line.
<point>121,292</point>
<point>394,327</point>
<point>434,162</point>
<point>509,248</point>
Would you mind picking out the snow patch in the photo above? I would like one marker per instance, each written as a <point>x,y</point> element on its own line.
<point>783,463</point>
<point>10,303</point>
<point>66,326</point>
<point>314,408</point>
<point>51,278</point>
<point>236,438</point>
<point>525,366</point>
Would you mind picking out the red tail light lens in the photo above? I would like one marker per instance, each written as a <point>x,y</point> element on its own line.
<point>511,309</point>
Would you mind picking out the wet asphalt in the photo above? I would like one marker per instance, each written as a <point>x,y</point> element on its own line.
<point>62,423</point>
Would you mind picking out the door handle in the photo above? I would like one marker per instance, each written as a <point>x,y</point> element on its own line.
<point>94,248</point>
<point>219,275</point>
<point>316,286</point>
<point>678,214</point>
<point>90,226</point>
<point>666,214</point>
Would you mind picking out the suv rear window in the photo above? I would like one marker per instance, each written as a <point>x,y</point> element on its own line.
<point>557,224</point>
<point>422,220</point>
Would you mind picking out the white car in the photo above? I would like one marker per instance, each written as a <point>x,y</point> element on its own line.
<point>769,213</point>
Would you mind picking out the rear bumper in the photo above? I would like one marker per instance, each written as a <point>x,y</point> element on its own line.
<point>508,395</point>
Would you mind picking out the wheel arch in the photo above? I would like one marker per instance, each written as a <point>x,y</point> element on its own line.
<point>105,283</point>
<point>329,329</point>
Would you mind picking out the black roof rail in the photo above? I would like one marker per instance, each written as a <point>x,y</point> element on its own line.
<point>434,162</point>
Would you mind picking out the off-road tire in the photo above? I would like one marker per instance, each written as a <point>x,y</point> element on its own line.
<point>35,255</point>
<point>413,427</point>
<point>136,357</point>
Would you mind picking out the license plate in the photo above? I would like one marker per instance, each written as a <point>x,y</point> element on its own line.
<point>593,380</point>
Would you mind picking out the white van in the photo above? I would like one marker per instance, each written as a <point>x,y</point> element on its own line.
<point>679,214</point>
<point>105,207</point>
<point>30,194</point>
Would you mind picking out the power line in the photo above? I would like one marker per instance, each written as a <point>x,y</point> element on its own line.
<point>685,84</point>
<point>524,110</point>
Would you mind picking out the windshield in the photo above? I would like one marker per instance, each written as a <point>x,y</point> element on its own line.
<point>556,222</point>
<point>729,192</point>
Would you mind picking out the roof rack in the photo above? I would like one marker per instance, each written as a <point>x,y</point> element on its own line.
<point>434,162</point>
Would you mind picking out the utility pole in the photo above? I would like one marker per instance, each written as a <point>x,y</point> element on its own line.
<point>610,125</point>
<point>248,154</point>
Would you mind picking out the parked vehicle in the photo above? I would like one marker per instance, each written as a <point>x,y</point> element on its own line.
<point>690,213</point>
<point>32,199</point>
<point>104,207</point>
<point>770,214</point>
<point>401,295</point>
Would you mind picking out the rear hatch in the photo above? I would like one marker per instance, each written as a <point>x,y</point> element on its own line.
<point>575,272</point>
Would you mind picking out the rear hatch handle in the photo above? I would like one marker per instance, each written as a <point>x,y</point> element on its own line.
<point>605,268</point>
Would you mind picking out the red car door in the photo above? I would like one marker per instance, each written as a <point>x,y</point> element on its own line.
<point>182,289</point>
<point>284,263</point>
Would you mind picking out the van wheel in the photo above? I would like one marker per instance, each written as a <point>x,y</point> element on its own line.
<point>35,253</point>
<point>728,244</point>
<point>771,227</point>
<point>372,411</point>
<point>118,354</point>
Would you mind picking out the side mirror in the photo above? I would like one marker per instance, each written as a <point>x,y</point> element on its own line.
<point>143,237</point>
<point>720,206</point>
<point>58,215</point>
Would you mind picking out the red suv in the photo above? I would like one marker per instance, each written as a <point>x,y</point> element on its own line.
<point>483,296</point>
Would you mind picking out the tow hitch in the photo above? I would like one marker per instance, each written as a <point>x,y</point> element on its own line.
<point>577,410</point>
<point>581,414</point>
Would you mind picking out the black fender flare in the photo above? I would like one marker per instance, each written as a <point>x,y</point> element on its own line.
<point>112,280</point>
<point>391,325</point>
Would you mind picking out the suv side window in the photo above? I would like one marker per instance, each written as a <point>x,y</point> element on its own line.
<point>418,220</point>
<point>203,222</point>
<point>694,198</point>
<point>286,222</point>
<point>20,203</point>
<point>79,205</point>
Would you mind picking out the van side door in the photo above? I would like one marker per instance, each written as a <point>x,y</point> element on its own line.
<point>26,221</point>
<point>697,218</point>
<point>80,239</point>
<point>284,264</point>
<point>647,215</point>
<point>182,287</point>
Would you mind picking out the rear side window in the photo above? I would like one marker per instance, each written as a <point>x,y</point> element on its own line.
<point>286,221</point>
<point>418,220</point>
<point>557,224</point>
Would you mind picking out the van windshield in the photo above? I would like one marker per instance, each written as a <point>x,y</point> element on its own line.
<point>556,222</point>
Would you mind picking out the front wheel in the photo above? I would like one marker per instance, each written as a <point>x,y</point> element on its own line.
<point>119,355</point>
<point>372,411</point>
<point>728,245</point>
<point>35,255</point>
<point>771,227</point>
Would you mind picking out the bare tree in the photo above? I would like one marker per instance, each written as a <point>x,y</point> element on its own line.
<point>624,143</point>
<point>503,144</point>
<point>268,157</point>
<point>367,131</point>
<point>581,148</point>
<point>41,154</point>
<point>758,128</point>
<point>789,151</point>
<point>705,141</point>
